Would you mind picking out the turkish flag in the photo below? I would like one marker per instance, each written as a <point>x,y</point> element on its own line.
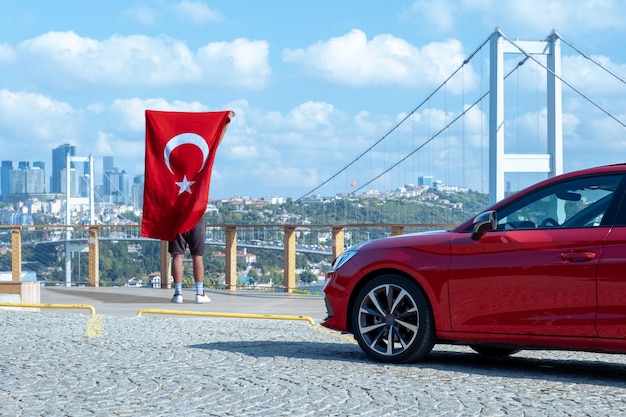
<point>180,150</point>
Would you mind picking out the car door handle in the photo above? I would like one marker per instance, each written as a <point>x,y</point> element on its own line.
<point>578,256</point>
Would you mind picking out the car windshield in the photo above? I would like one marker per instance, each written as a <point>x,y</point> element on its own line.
<point>576,203</point>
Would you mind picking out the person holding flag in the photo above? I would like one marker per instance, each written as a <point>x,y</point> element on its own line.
<point>180,150</point>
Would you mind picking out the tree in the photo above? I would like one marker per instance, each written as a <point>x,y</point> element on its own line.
<point>307,276</point>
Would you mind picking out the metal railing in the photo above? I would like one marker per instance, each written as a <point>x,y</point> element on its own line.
<point>324,239</point>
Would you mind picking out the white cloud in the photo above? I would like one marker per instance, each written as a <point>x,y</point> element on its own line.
<point>131,112</point>
<point>243,152</point>
<point>71,60</point>
<point>103,143</point>
<point>142,14</point>
<point>311,115</point>
<point>198,12</point>
<point>588,77</point>
<point>32,124</point>
<point>7,53</point>
<point>240,63</point>
<point>97,108</point>
<point>35,115</point>
<point>128,153</point>
<point>354,60</point>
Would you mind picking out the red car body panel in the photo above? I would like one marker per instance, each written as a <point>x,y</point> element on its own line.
<point>427,263</point>
<point>560,287</point>
<point>611,319</point>
<point>519,283</point>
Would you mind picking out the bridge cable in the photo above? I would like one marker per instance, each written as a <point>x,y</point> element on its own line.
<point>519,64</point>
<point>599,107</point>
<point>465,62</point>
<point>584,55</point>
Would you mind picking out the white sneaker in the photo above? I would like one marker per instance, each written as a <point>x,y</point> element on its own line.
<point>177,298</point>
<point>202,299</point>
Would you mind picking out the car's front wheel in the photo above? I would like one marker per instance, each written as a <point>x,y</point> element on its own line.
<point>392,320</point>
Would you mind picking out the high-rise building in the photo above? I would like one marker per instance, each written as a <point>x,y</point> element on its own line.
<point>110,179</point>
<point>107,163</point>
<point>17,178</point>
<point>41,165</point>
<point>124,188</point>
<point>59,161</point>
<point>7,166</point>
<point>110,182</point>
<point>73,182</point>
<point>425,180</point>
<point>138,182</point>
<point>35,180</point>
<point>17,181</point>
<point>85,180</point>
<point>23,180</point>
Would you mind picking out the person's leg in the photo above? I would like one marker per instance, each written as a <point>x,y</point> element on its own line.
<point>177,250</point>
<point>177,274</point>
<point>195,239</point>
<point>198,277</point>
<point>198,273</point>
<point>177,268</point>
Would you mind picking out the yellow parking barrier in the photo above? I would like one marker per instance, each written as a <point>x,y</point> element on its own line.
<point>227,315</point>
<point>35,305</point>
<point>94,324</point>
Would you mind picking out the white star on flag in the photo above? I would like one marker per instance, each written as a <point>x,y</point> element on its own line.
<point>185,185</point>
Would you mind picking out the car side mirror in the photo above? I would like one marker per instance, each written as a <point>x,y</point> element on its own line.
<point>483,223</point>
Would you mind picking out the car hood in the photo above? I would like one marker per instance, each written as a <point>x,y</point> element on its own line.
<point>424,241</point>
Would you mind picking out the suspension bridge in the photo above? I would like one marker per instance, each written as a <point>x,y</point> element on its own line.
<point>460,133</point>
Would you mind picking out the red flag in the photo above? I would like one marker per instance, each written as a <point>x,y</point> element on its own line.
<point>180,150</point>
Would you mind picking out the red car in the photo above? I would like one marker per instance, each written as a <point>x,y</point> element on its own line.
<point>543,269</point>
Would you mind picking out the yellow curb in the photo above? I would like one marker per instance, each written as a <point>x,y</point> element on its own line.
<point>35,305</point>
<point>94,326</point>
<point>228,315</point>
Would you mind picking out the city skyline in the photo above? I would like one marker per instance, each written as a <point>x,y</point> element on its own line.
<point>111,184</point>
<point>110,175</point>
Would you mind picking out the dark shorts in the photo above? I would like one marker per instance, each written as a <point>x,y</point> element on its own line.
<point>194,238</point>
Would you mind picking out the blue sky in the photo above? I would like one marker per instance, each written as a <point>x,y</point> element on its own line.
<point>312,83</point>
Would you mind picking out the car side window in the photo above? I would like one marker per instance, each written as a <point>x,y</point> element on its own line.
<point>580,202</point>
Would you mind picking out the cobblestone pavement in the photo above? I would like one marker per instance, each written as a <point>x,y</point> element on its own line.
<point>56,364</point>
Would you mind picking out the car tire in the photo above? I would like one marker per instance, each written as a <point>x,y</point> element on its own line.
<point>392,320</point>
<point>488,350</point>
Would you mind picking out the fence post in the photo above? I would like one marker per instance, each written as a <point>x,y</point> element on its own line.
<point>16,253</point>
<point>289,274</point>
<point>165,265</point>
<point>94,257</point>
<point>231,258</point>
<point>338,240</point>
<point>397,230</point>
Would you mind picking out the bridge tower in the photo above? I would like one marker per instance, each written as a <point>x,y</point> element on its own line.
<point>499,162</point>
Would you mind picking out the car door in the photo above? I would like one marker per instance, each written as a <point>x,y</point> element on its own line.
<point>611,317</point>
<point>536,274</point>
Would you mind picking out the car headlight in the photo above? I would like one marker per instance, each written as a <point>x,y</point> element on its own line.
<point>341,260</point>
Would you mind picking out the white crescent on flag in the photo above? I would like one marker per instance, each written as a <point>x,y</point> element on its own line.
<point>185,139</point>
